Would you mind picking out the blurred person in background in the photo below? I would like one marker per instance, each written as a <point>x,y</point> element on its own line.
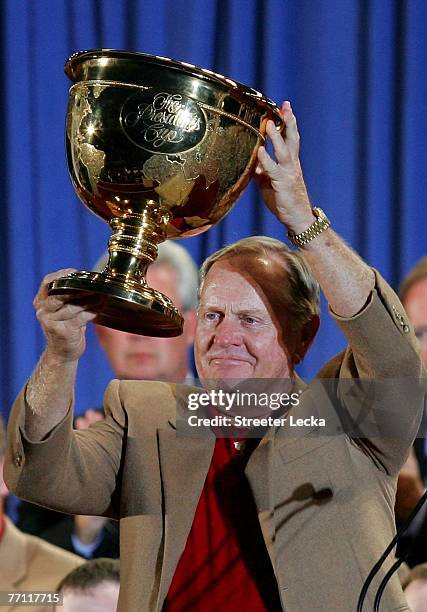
<point>413,475</point>
<point>27,563</point>
<point>135,357</point>
<point>91,587</point>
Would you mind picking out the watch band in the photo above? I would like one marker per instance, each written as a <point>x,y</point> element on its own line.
<point>317,227</point>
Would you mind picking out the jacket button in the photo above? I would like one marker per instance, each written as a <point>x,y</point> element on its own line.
<point>405,327</point>
<point>17,459</point>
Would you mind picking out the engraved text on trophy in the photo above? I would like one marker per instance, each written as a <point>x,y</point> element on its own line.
<point>163,122</point>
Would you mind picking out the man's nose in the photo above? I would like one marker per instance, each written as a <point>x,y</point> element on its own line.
<point>228,333</point>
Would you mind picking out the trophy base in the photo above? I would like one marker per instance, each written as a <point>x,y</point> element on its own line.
<point>127,305</point>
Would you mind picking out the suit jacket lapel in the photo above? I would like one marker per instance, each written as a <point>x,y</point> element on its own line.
<point>260,474</point>
<point>184,465</point>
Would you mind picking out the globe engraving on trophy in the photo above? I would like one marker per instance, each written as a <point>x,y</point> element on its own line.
<point>159,149</point>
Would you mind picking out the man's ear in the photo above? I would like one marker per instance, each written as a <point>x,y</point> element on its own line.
<point>190,324</point>
<point>307,334</point>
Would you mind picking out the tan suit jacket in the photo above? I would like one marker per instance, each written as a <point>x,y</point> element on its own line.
<point>134,466</point>
<point>28,563</point>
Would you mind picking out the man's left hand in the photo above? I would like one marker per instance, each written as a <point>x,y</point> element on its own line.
<point>281,181</point>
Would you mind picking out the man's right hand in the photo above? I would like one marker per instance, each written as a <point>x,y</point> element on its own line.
<point>63,321</point>
<point>49,391</point>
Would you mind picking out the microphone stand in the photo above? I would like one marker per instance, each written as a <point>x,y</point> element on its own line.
<point>385,554</point>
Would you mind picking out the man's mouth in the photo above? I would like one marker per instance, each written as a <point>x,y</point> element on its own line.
<point>228,360</point>
<point>139,356</point>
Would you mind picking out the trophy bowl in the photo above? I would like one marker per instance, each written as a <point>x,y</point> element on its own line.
<point>159,149</point>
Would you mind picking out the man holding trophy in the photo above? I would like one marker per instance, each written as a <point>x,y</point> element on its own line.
<point>255,524</point>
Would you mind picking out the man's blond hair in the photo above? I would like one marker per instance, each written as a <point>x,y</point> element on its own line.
<point>301,293</point>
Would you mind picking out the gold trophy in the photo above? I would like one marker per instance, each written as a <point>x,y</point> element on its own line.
<point>159,149</point>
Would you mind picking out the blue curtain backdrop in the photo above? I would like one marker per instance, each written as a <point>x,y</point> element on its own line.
<point>353,69</point>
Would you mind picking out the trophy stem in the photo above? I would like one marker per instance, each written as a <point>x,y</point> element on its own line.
<point>133,244</point>
<point>125,301</point>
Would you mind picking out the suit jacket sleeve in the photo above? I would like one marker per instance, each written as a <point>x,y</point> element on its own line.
<point>72,471</point>
<point>382,412</point>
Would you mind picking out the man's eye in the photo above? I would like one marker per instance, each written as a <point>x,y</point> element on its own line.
<point>249,320</point>
<point>211,316</point>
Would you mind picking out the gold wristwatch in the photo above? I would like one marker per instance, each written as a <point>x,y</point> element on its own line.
<point>317,227</point>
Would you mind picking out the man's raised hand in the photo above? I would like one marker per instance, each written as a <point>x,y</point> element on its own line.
<point>63,320</point>
<point>281,180</point>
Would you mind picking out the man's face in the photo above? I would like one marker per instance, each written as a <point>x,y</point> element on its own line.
<point>416,306</point>
<point>100,598</point>
<point>135,357</point>
<point>238,336</point>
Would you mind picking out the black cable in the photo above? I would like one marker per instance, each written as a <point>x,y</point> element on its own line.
<point>384,581</point>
